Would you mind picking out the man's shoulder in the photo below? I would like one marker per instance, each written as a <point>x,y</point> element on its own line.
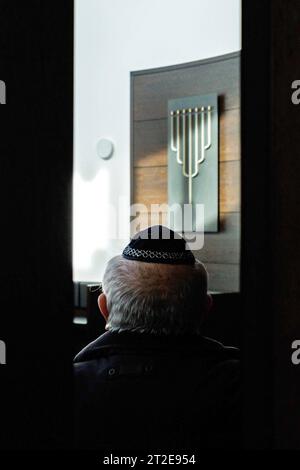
<point>111,343</point>
<point>200,364</point>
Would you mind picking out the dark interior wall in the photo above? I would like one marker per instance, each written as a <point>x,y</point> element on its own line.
<point>285,217</point>
<point>36,62</point>
<point>270,223</point>
<point>151,90</point>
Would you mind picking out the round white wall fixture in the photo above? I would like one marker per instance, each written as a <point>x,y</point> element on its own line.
<point>105,149</point>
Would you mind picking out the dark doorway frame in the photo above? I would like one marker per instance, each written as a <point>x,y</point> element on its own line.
<point>36,148</point>
<point>270,261</point>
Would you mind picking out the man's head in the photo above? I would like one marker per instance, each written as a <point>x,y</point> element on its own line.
<point>156,287</point>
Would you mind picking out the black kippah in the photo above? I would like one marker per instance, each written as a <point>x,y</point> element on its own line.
<point>158,244</point>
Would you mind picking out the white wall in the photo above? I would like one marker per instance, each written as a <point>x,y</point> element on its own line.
<point>112,38</point>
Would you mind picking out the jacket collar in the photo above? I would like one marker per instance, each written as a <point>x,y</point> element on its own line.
<point>112,341</point>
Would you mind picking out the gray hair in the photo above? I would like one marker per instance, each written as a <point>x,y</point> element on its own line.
<point>154,298</point>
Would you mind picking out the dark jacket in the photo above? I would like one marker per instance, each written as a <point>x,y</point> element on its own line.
<point>144,392</point>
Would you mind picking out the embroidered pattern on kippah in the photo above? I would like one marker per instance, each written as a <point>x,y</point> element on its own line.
<point>175,255</point>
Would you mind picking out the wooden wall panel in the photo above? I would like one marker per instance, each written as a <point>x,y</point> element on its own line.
<point>223,247</point>
<point>151,91</point>
<point>229,188</point>
<point>149,145</point>
<point>229,138</point>
<point>223,277</point>
<point>151,186</point>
